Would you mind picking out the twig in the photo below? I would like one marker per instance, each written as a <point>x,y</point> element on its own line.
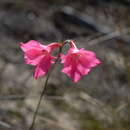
<point>12,97</point>
<point>54,123</point>
<point>4,124</point>
<point>109,36</point>
<point>23,97</point>
<point>121,107</point>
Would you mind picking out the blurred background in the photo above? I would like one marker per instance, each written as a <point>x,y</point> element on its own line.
<point>100,100</point>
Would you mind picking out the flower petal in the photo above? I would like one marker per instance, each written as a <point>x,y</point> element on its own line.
<point>83,70</point>
<point>53,46</point>
<point>43,67</point>
<point>38,72</point>
<point>30,45</point>
<point>76,77</point>
<point>67,70</point>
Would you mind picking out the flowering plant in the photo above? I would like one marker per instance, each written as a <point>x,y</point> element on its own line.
<point>76,63</point>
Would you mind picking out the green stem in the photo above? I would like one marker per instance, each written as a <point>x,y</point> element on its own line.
<point>43,92</point>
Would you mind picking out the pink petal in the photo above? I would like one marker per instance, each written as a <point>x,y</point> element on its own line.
<point>33,62</point>
<point>53,46</point>
<point>67,70</point>
<point>33,56</point>
<point>89,61</point>
<point>31,44</point>
<point>43,67</point>
<point>38,72</point>
<point>73,75</point>
<point>76,77</point>
<point>83,70</point>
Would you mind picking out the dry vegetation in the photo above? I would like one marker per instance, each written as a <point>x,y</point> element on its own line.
<point>101,100</point>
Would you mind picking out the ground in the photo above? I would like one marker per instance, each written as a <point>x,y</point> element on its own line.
<point>100,100</point>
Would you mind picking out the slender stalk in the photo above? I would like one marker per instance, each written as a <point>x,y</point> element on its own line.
<point>43,91</point>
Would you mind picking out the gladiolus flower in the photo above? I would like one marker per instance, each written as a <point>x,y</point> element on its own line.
<point>38,55</point>
<point>78,62</point>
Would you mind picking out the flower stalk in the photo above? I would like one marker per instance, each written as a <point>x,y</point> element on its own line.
<point>43,91</point>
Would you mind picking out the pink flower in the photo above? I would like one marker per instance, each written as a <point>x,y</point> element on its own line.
<point>39,56</point>
<point>78,62</point>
